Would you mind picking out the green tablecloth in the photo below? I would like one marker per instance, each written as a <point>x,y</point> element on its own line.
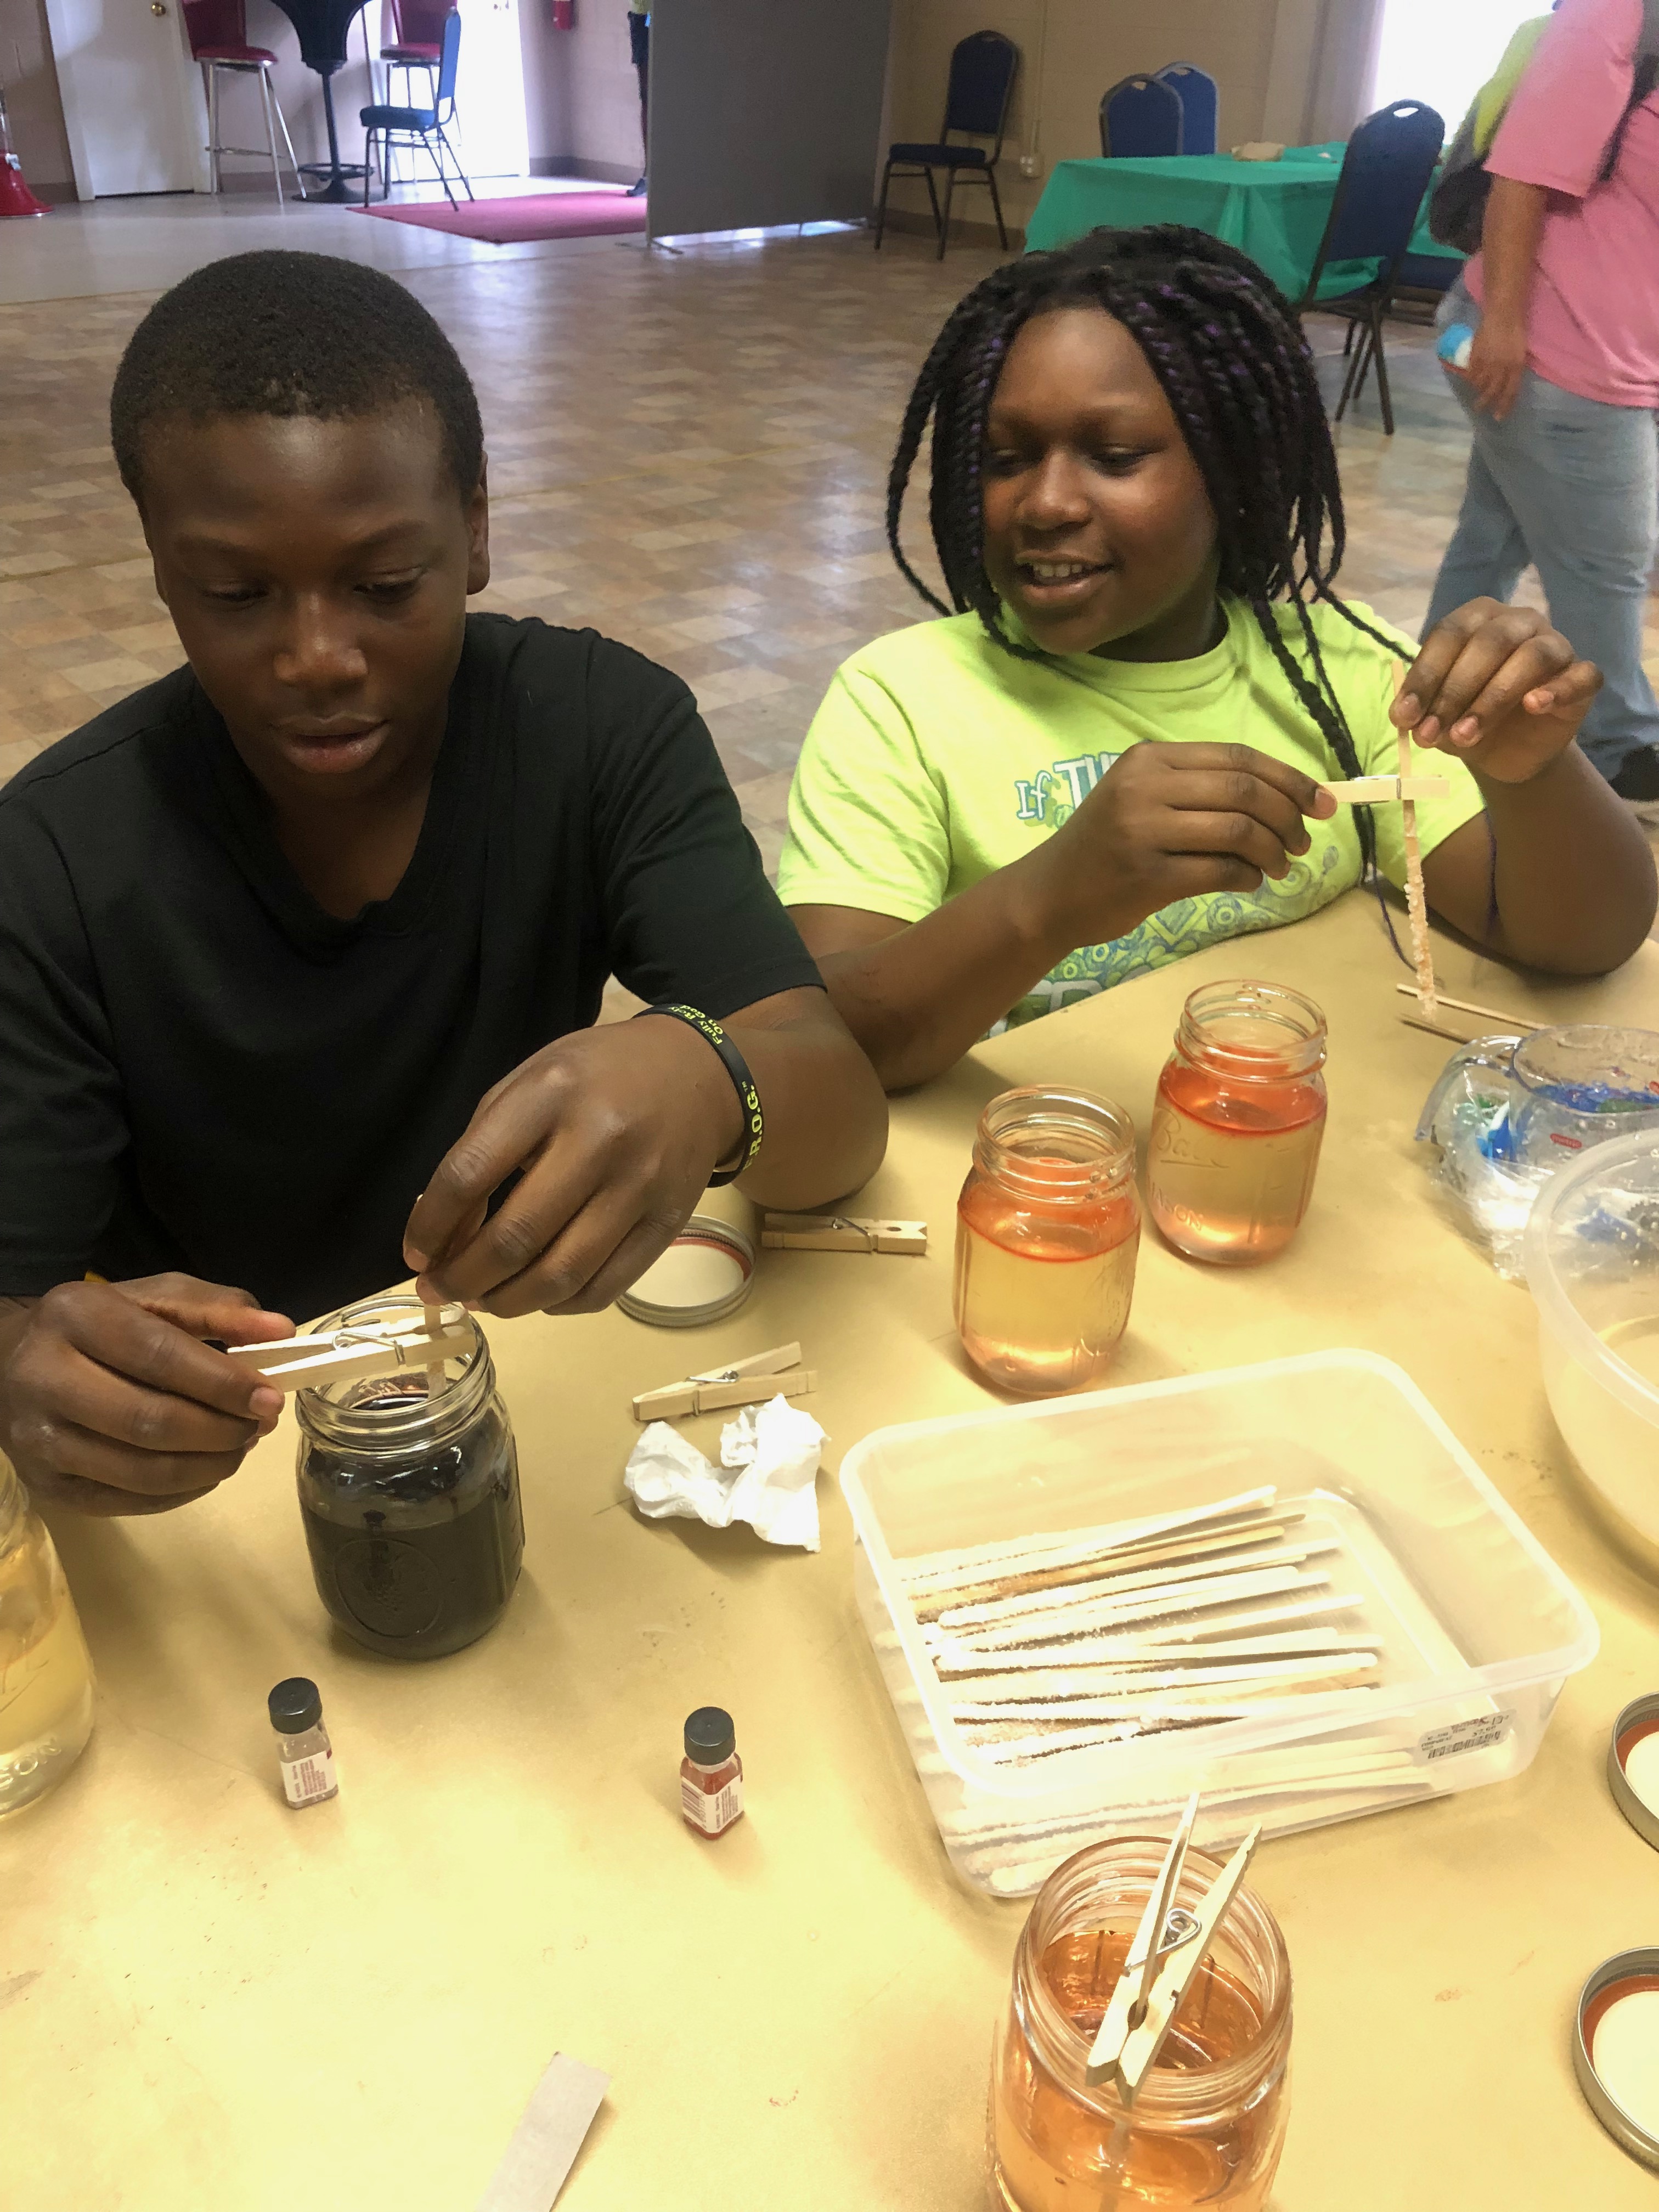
<point>1274,212</point>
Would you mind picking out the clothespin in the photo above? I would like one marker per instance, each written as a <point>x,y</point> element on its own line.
<point>1379,790</point>
<point>349,1355</point>
<point>1170,1947</point>
<point>842,1232</point>
<point>749,1381</point>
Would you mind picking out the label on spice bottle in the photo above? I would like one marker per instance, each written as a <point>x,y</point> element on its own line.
<point>1479,1733</point>
<point>711,1812</point>
<point>305,1780</point>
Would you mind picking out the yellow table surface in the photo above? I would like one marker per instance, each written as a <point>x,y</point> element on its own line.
<point>210,2003</point>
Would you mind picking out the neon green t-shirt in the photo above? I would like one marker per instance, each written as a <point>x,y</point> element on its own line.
<point>937,758</point>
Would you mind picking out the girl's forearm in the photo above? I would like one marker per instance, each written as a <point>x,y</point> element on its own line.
<point>918,1000</point>
<point>1572,875</point>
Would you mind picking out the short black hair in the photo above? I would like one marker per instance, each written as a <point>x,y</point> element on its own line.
<point>289,334</point>
<point>1227,348</point>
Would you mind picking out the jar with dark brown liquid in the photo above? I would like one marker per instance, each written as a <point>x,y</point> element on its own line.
<point>408,1489</point>
<point>1208,2124</point>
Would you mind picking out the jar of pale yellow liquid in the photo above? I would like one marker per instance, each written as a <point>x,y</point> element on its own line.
<point>1047,1228</point>
<point>1238,1124</point>
<point>46,1670</point>
<point>1208,2124</point>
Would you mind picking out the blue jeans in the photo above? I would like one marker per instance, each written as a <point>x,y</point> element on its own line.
<point>1572,486</point>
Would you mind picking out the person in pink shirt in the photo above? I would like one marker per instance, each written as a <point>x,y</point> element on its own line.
<point>1562,379</point>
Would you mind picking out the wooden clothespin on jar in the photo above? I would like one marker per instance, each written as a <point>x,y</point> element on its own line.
<point>842,1232</point>
<point>350,1355</point>
<point>1169,1948</point>
<point>748,1381</point>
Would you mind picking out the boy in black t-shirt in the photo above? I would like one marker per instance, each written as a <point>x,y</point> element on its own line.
<point>300,948</point>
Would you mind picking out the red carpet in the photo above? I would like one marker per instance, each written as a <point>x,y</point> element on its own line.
<point>604,212</point>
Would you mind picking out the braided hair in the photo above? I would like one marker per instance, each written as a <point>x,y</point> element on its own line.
<point>1228,351</point>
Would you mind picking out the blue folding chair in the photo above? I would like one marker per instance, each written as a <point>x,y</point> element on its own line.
<point>1385,172</point>
<point>983,67</point>
<point>419,126</point>
<point>1141,118</point>
<point>1200,101</point>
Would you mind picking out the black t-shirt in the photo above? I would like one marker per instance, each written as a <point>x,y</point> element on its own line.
<point>200,1068</point>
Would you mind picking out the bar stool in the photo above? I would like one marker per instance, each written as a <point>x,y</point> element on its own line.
<point>418,44</point>
<point>217,30</point>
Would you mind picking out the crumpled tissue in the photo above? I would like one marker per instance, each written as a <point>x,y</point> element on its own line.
<point>768,1475</point>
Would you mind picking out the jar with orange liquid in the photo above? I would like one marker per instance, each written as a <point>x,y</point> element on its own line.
<point>1047,1228</point>
<point>1208,2124</point>
<point>1238,1124</point>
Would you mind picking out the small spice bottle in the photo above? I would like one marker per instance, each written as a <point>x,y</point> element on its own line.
<point>303,1750</point>
<point>711,1774</point>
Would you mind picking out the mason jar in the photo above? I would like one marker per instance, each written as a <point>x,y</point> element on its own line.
<point>409,1489</point>
<point>1208,2123</point>
<point>46,1670</point>
<point>1047,1228</point>
<point>1237,1123</point>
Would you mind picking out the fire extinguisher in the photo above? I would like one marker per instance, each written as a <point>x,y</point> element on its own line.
<point>564,14</point>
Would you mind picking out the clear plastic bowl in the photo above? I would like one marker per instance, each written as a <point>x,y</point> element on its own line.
<point>1592,1258</point>
<point>1479,1628</point>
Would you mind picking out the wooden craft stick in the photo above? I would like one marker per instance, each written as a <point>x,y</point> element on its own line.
<point>956,1660</point>
<point>992,1610</point>
<point>1240,1541</point>
<point>1434,1029</point>
<point>1040,1686</point>
<point>1148,1605</point>
<point>1485,1013</point>
<point>842,1232</point>
<point>1078,1544</point>
<point>1417,904</point>
<point>1375,790</point>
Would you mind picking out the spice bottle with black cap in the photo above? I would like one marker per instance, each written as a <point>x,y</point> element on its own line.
<point>305,1755</point>
<point>711,1774</point>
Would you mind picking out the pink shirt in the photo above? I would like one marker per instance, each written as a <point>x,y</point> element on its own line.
<point>1593,315</point>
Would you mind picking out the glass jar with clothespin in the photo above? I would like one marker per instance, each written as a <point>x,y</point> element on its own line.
<point>408,1473</point>
<point>1143,2058</point>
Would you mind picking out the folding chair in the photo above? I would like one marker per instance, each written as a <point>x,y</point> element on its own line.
<point>981,84</point>
<point>418,126</point>
<point>1141,119</point>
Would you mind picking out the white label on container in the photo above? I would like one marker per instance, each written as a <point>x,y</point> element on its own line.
<point>1479,1734</point>
<point>711,1813</point>
<point>305,1780</point>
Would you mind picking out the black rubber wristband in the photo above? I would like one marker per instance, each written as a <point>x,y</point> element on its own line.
<point>743,1083</point>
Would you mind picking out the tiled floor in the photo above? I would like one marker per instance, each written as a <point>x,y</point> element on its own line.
<point>688,451</point>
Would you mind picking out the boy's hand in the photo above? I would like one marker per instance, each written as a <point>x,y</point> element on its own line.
<point>1167,822</point>
<point>608,1139</point>
<point>111,1403</point>
<point>1495,686</point>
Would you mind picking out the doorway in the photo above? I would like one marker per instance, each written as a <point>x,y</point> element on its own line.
<point>129,95</point>
<point>1443,55</point>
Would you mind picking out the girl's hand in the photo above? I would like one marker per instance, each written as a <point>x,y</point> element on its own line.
<point>1166,822</point>
<point>1495,686</point>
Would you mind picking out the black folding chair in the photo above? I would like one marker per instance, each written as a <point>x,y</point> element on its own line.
<point>1385,172</point>
<point>981,84</point>
<point>419,126</point>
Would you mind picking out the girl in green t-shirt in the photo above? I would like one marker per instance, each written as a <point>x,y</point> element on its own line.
<point>1110,753</point>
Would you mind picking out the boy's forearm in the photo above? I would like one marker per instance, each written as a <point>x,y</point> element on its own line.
<point>826,1117</point>
<point>1573,875</point>
<point>1510,232</point>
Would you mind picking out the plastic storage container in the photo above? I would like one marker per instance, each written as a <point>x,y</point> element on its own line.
<point>1592,1256</point>
<point>1478,1627</point>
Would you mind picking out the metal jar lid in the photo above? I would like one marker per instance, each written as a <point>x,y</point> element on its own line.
<point>1640,1969</point>
<point>664,1297</point>
<point>1640,1718</point>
